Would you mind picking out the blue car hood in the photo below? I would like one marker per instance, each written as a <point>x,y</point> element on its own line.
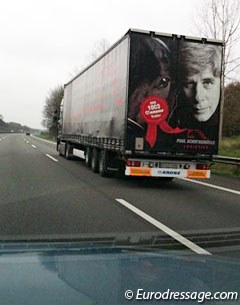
<point>72,276</point>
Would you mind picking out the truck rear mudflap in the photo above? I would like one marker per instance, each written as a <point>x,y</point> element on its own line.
<point>163,168</point>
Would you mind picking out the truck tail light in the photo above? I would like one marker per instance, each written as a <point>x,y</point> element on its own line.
<point>203,166</point>
<point>133,163</point>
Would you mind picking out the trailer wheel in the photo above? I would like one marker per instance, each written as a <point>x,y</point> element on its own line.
<point>103,171</point>
<point>59,149</point>
<point>94,160</point>
<point>57,146</point>
<point>68,153</point>
<point>62,149</point>
<point>88,155</point>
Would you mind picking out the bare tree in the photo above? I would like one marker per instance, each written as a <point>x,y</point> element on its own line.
<point>100,47</point>
<point>220,19</point>
<point>52,109</point>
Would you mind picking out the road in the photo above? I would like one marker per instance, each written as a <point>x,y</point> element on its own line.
<point>44,194</point>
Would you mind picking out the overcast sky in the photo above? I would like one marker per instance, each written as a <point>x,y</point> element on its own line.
<point>43,41</point>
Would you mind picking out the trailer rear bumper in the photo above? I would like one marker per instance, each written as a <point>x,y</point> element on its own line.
<point>166,172</point>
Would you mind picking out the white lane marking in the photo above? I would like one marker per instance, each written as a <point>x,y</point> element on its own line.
<point>213,186</point>
<point>51,158</point>
<point>164,228</point>
<point>34,146</point>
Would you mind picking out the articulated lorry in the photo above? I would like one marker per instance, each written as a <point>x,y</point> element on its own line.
<point>149,106</point>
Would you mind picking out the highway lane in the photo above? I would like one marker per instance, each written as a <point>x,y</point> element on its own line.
<point>37,196</point>
<point>64,196</point>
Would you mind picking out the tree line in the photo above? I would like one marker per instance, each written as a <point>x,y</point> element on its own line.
<point>231,111</point>
<point>13,127</point>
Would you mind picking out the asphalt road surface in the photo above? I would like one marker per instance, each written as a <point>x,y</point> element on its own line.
<point>43,194</point>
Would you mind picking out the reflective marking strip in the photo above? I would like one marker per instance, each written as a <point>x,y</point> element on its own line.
<point>140,171</point>
<point>51,158</point>
<point>198,174</point>
<point>213,186</point>
<point>195,248</point>
<point>34,146</point>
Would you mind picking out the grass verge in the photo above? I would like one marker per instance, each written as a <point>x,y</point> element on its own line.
<point>46,136</point>
<point>230,147</point>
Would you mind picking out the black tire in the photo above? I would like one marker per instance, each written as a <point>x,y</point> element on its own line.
<point>61,151</point>
<point>102,164</point>
<point>68,154</point>
<point>58,149</point>
<point>88,156</point>
<point>94,160</point>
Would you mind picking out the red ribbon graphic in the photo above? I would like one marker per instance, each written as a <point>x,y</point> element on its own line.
<point>154,111</point>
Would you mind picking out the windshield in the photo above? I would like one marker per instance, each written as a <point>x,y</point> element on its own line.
<point>117,142</point>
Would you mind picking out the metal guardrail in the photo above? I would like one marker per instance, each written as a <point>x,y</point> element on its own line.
<point>227,160</point>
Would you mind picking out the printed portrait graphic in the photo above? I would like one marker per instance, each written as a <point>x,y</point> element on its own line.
<point>174,95</point>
